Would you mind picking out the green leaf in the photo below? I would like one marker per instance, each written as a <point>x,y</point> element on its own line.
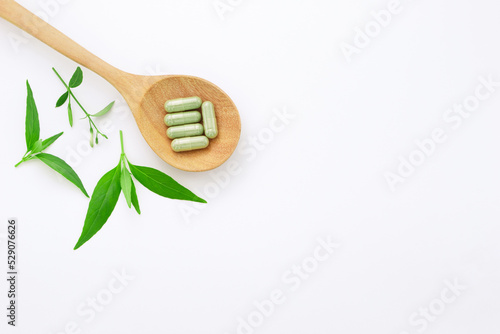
<point>41,145</point>
<point>32,122</point>
<point>105,110</point>
<point>70,114</point>
<point>62,168</point>
<point>126,184</point>
<point>91,136</point>
<point>62,99</point>
<point>77,78</point>
<point>37,146</point>
<point>47,142</point>
<point>135,200</point>
<point>102,204</point>
<point>162,184</point>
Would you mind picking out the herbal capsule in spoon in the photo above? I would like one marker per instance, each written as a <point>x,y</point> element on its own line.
<point>187,130</point>
<point>181,118</point>
<point>183,104</point>
<point>189,143</point>
<point>209,120</point>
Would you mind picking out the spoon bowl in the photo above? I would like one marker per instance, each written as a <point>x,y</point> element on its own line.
<point>150,114</point>
<point>146,95</point>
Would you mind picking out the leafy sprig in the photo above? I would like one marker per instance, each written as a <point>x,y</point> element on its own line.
<point>35,146</point>
<point>119,179</point>
<point>75,81</point>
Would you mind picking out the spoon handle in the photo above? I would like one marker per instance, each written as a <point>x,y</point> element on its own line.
<point>38,28</point>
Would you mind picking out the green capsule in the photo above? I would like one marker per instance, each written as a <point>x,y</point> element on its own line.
<point>183,104</point>
<point>181,118</point>
<point>209,120</point>
<point>189,143</point>
<point>187,130</point>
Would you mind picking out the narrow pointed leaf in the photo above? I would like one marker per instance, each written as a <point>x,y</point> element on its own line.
<point>70,114</point>
<point>62,168</point>
<point>47,142</point>
<point>102,204</point>
<point>32,122</point>
<point>135,200</point>
<point>41,145</point>
<point>162,184</point>
<point>77,78</point>
<point>62,100</point>
<point>126,185</point>
<point>105,110</point>
<point>37,146</point>
<point>91,136</point>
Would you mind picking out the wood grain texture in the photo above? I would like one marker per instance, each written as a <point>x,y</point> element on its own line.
<point>146,95</point>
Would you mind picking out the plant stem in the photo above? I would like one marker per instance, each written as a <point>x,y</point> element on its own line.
<point>79,104</point>
<point>25,158</point>
<point>121,142</point>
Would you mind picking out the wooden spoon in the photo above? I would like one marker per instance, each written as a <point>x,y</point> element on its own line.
<point>145,95</point>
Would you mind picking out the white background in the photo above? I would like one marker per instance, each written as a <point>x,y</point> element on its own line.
<point>199,270</point>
